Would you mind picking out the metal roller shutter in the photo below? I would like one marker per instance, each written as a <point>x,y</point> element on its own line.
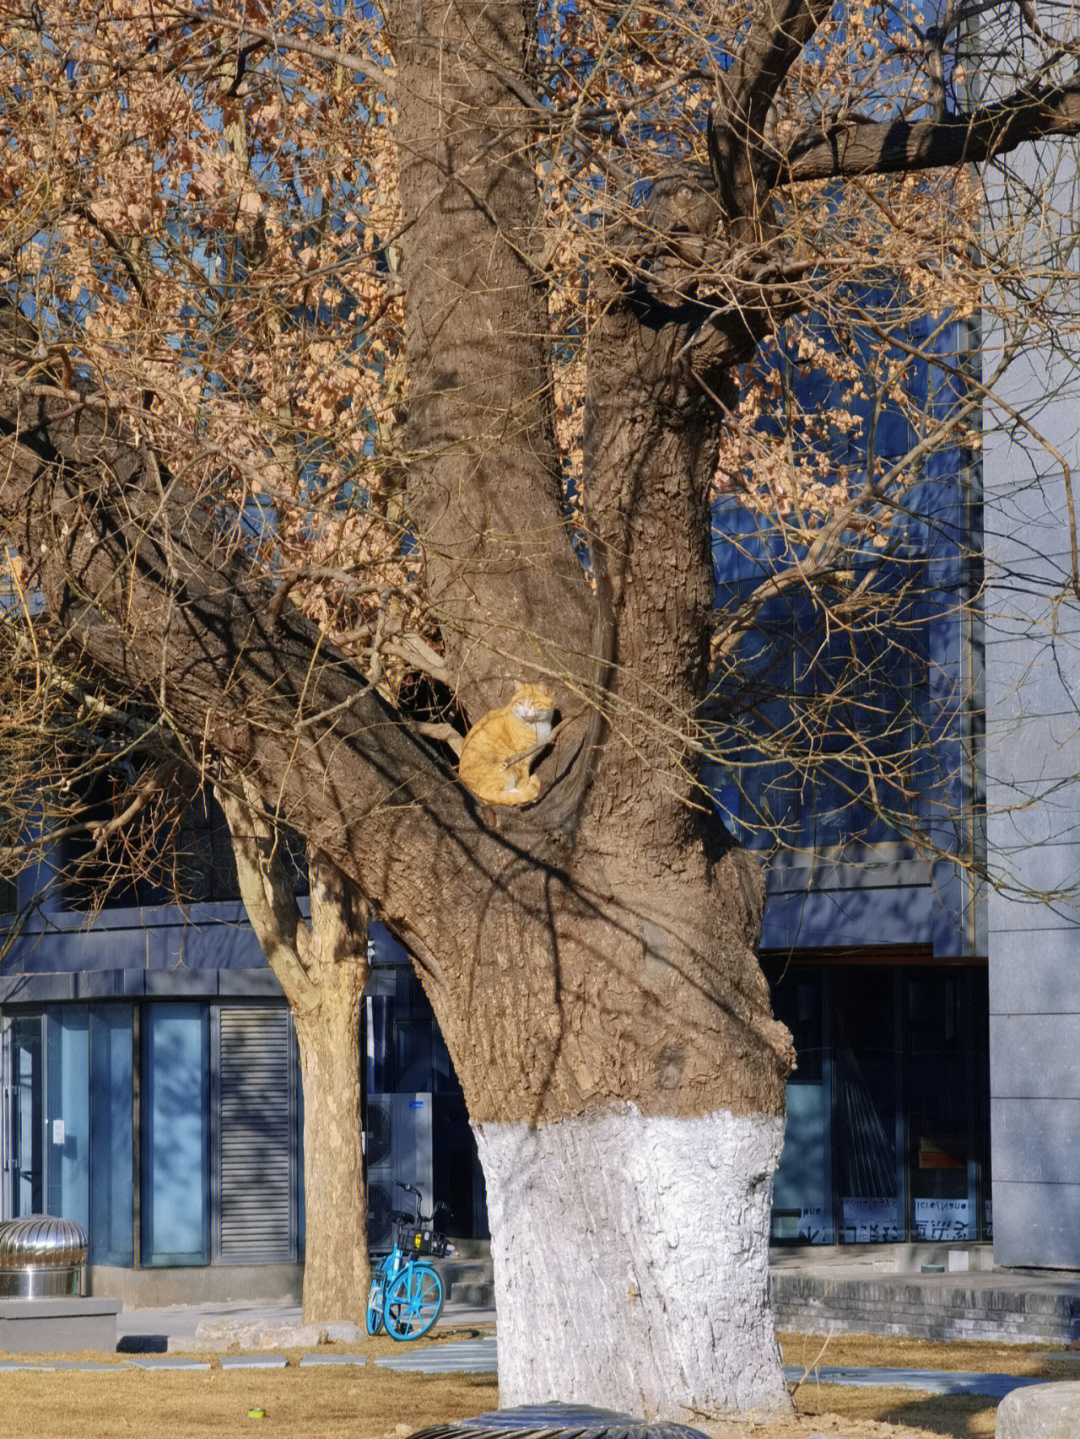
<point>256,1124</point>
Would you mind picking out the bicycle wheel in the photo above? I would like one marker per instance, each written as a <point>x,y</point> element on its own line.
<point>414,1300</point>
<point>376,1297</point>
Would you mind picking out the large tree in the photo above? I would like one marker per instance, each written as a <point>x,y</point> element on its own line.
<point>380,362</point>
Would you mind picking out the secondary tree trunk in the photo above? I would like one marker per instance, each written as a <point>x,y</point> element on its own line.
<point>336,1270</point>
<point>322,967</point>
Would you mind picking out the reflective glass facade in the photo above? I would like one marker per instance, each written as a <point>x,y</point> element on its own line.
<point>175,1147</point>
<point>888,1125</point>
<point>69,1121</point>
<point>172,1129</point>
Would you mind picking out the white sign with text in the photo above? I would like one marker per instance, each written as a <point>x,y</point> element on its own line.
<point>943,1219</point>
<point>866,1221</point>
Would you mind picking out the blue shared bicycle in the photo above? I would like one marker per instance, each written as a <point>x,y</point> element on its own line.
<point>406,1293</point>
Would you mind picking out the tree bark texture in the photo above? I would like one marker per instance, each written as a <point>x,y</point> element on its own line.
<point>642,1241</point>
<point>336,1265</point>
<point>484,491</point>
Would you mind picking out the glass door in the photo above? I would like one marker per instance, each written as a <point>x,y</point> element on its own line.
<point>24,1118</point>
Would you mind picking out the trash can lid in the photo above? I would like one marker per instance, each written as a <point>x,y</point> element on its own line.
<point>42,1241</point>
<point>569,1421</point>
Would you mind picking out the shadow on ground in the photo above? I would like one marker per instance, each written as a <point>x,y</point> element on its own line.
<point>142,1344</point>
<point>954,1416</point>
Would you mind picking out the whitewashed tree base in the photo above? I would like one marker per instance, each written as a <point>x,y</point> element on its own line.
<point>631,1262</point>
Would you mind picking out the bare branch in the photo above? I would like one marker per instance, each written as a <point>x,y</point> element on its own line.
<point>863,147</point>
<point>267,891</point>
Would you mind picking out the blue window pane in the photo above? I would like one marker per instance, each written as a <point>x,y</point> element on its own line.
<point>175,1139</point>
<point>27,1116</point>
<point>67,1128</point>
<point>112,1171</point>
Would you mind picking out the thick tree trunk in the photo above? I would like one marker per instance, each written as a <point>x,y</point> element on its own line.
<point>626,1087</point>
<point>643,1243</point>
<point>336,1270</point>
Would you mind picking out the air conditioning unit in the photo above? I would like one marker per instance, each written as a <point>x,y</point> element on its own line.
<point>397,1145</point>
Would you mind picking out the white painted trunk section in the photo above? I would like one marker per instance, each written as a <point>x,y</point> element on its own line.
<point>631,1262</point>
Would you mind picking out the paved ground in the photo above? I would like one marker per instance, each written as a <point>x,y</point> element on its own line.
<point>478,1356</point>
<point>156,1327</point>
<point>180,1322</point>
<point>930,1381</point>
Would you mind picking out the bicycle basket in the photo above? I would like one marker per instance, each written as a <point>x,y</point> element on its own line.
<point>414,1239</point>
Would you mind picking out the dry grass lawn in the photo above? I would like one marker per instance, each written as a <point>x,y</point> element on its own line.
<point>366,1402</point>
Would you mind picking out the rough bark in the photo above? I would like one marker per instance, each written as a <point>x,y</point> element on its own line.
<point>484,493</point>
<point>336,1265</point>
<point>864,147</point>
<point>664,1226</point>
<point>322,968</point>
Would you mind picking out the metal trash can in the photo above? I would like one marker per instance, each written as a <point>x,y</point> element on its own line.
<point>41,1257</point>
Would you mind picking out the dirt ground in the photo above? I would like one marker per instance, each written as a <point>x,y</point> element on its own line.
<point>332,1402</point>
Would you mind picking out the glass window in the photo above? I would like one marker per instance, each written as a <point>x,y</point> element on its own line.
<point>175,1134</point>
<point>112,1178</point>
<point>802,1192</point>
<point>67,1129</point>
<point>206,864</point>
<point>940,1105</point>
<point>380,1078</point>
<point>887,1113</point>
<point>868,1066</point>
<point>413,1046</point>
<point>104,876</point>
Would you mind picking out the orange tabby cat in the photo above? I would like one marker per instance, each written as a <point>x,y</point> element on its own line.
<point>485,750</point>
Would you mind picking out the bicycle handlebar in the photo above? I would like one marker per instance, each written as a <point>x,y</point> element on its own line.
<point>418,1217</point>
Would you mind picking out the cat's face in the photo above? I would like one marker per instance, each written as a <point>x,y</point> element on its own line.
<point>532,702</point>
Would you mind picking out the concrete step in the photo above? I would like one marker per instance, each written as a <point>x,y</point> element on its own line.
<point>471,1248</point>
<point>1003,1307</point>
<point>468,1279</point>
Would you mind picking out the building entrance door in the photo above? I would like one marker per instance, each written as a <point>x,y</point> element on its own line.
<point>22,1140</point>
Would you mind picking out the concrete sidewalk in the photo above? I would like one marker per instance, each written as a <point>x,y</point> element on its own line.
<point>155,1330</point>
<point>147,1334</point>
